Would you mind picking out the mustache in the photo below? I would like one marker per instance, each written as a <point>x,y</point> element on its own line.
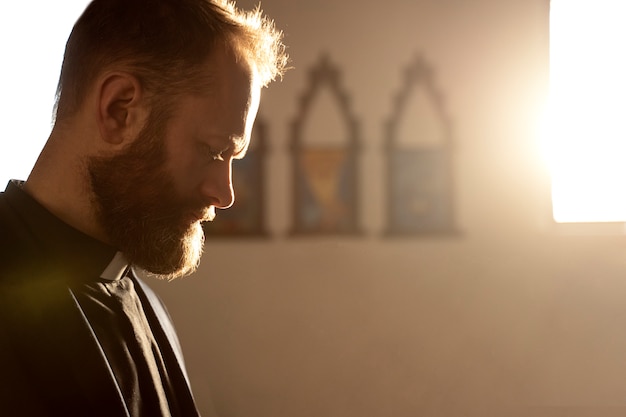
<point>191,211</point>
<point>209,214</point>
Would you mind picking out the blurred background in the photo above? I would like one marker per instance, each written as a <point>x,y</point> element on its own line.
<point>513,313</point>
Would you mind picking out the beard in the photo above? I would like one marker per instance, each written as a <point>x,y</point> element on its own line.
<point>140,209</point>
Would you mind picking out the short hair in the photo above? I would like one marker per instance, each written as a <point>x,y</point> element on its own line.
<point>164,44</point>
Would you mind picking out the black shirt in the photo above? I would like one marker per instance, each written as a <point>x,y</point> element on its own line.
<point>112,305</point>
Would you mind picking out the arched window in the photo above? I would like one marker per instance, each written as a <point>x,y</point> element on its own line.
<point>324,149</point>
<point>419,157</point>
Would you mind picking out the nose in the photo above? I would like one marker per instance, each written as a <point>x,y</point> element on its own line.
<point>217,187</point>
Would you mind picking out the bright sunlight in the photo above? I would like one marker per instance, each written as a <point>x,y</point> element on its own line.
<point>32,40</point>
<point>585,130</point>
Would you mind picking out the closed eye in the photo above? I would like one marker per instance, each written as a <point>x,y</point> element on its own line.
<point>235,147</point>
<point>214,154</point>
<point>217,156</point>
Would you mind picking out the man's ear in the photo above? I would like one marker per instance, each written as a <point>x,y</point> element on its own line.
<point>120,107</point>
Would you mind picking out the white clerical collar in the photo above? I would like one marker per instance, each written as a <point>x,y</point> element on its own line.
<point>116,268</point>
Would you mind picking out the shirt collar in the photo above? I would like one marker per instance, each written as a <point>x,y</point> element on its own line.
<point>116,268</point>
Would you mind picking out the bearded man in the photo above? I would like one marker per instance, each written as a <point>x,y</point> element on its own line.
<point>155,100</point>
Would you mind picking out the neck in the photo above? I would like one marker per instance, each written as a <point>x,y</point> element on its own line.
<point>59,182</point>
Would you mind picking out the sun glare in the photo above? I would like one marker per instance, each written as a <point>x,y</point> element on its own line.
<point>585,133</point>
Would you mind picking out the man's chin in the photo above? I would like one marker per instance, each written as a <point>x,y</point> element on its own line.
<point>179,260</point>
<point>171,276</point>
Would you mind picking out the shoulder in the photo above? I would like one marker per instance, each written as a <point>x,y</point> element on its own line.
<point>15,243</point>
<point>13,229</point>
<point>8,221</point>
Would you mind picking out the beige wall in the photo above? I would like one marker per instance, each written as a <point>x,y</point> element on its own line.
<point>511,313</point>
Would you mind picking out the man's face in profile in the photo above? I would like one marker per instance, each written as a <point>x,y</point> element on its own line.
<point>141,209</point>
<point>152,197</point>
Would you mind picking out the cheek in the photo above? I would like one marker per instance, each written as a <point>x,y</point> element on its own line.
<point>179,164</point>
<point>188,169</point>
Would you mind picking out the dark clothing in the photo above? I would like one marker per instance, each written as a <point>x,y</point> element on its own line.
<point>74,340</point>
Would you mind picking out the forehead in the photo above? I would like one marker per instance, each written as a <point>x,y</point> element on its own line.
<point>230,70</point>
<point>223,107</point>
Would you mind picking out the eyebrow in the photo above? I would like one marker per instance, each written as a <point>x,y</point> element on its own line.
<point>240,146</point>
